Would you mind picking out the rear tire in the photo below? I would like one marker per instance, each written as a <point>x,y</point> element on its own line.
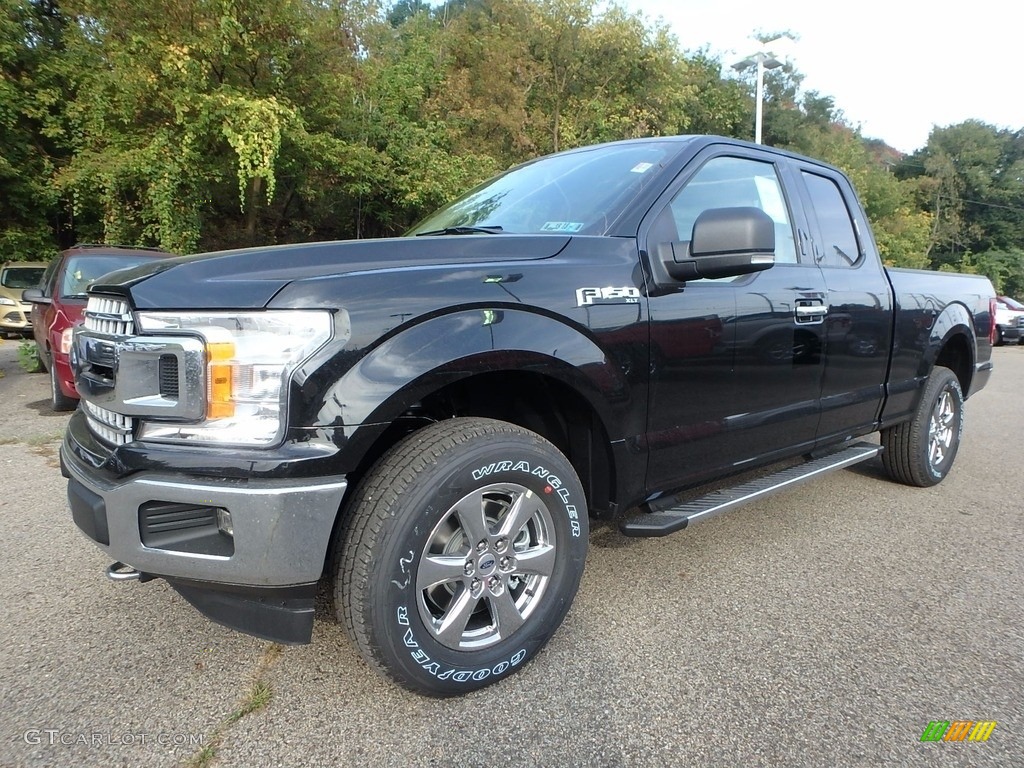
<point>461,554</point>
<point>921,451</point>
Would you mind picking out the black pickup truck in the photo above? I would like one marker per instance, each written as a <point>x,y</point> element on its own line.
<point>431,421</point>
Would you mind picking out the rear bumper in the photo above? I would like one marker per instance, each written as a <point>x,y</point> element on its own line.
<point>982,373</point>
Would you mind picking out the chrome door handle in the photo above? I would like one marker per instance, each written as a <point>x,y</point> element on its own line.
<point>812,311</point>
<point>808,313</point>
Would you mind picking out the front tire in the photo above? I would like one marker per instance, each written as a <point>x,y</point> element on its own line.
<point>921,451</point>
<point>58,399</point>
<point>461,554</point>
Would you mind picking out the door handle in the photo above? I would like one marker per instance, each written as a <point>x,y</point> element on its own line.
<point>810,312</point>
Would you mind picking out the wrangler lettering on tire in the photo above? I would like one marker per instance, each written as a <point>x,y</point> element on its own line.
<point>461,554</point>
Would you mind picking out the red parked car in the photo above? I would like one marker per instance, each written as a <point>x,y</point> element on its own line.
<point>59,302</point>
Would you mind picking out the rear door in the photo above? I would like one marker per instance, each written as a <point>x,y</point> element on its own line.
<point>737,363</point>
<point>858,328</point>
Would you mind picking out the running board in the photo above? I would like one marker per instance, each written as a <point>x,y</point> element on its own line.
<point>675,519</point>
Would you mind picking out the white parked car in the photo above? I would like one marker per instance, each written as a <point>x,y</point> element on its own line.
<point>1009,321</point>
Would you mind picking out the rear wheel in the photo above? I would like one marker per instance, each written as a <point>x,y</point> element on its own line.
<point>461,555</point>
<point>921,451</point>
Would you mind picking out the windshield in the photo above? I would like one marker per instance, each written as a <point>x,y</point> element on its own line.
<point>578,192</point>
<point>21,277</point>
<point>1011,303</point>
<point>81,271</point>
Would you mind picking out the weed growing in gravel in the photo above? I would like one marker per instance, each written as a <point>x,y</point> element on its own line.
<point>28,359</point>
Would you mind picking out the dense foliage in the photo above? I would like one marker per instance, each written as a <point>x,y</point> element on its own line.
<point>207,124</point>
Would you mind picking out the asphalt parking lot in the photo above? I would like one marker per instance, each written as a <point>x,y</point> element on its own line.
<point>825,626</point>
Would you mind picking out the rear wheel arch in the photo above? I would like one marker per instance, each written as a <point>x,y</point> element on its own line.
<point>956,355</point>
<point>952,344</point>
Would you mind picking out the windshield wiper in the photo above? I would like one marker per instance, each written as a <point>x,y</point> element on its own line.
<point>488,230</point>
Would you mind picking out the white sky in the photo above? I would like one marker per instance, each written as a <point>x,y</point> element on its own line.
<point>896,68</point>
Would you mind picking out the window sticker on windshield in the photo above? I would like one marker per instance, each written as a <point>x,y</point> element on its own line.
<point>562,226</point>
<point>641,167</point>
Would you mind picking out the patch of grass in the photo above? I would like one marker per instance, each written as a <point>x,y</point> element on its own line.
<point>28,357</point>
<point>37,441</point>
<point>256,698</point>
<point>44,439</point>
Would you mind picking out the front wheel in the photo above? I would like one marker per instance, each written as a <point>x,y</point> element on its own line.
<point>461,554</point>
<point>58,399</point>
<point>921,451</point>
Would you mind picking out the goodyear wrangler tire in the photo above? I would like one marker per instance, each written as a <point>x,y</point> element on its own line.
<point>921,451</point>
<point>461,554</point>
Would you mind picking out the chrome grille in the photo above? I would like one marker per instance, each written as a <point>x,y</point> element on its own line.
<point>108,315</point>
<point>107,425</point>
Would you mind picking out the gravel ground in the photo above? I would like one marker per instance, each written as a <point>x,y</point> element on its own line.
<point>822,627</point>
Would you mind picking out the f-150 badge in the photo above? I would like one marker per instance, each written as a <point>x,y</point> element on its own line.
<point>626,294</point>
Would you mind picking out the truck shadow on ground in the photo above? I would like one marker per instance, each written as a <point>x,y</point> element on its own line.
<point>45,408</point>
<point>872,469</point>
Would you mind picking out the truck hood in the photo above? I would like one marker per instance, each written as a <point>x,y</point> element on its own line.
<point>249,278</point>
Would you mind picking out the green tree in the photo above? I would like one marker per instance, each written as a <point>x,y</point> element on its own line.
<point>33,135</point>
<point>970,177</point>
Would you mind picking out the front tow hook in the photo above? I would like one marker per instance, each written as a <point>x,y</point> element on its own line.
<point>121,572</point>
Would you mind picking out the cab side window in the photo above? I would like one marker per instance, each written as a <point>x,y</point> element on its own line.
<point>730,182</point>
<point>46,284</point>
<point>839,246</point>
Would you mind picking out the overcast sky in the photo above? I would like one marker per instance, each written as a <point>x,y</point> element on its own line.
<point>896,68</point>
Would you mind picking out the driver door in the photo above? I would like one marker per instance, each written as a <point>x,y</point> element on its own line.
<point>738,362</point>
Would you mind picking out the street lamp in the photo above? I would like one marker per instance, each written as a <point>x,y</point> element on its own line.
<point>763,60</point>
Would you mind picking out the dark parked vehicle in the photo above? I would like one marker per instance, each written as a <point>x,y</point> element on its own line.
<point>433,420</point>
<point>59,301</point>
<point>15,277</point>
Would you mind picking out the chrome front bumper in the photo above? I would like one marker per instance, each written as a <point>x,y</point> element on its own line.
<point>281,528</point>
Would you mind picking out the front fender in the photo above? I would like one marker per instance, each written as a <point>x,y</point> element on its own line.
<point>419,360</point>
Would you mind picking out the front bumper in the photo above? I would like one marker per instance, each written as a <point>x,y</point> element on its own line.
<point>281,528</point>
<point>261,579</point>
<point>1011,334</point>
<point>16,319</point>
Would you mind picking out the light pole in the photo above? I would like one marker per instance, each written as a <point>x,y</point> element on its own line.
<point>763,60</point>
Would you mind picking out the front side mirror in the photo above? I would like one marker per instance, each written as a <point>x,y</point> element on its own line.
<point>34,296</point>
<point>725,242</point>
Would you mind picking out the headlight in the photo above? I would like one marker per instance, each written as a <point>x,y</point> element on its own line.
<point>250,357</point>
<point>5,302</point>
